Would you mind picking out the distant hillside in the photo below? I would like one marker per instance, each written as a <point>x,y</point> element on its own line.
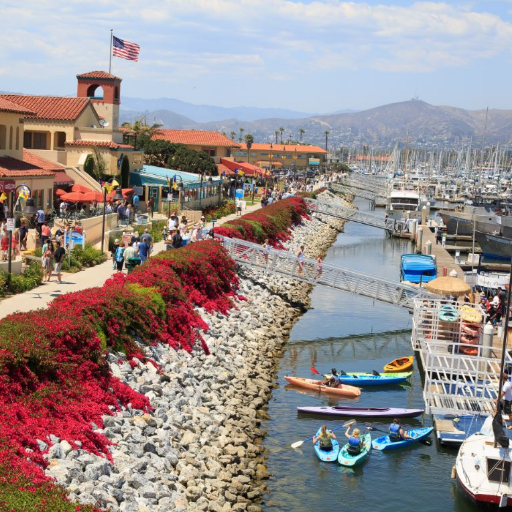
<point>426,126</point>
<point>164,117</point>
<point>208,113</point>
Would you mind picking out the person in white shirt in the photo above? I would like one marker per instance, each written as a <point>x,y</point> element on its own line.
<point>506,396</point>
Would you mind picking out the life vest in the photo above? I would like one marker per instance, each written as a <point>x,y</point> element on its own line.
<point>394,431</point>
<point>354,445</point>
<point>325,441</point>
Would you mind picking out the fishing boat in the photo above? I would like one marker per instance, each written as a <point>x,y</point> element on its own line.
<point>316,385</point>
<point>417,434</point>
<point>401,364</point>
<point>400,202</point>
<point>347,459</point>
<point>362,412</point>
<point>327,456</point>
<point>417,268</point>
<point>368,379</point>
<point>465,222</point>
<point>494,246</point>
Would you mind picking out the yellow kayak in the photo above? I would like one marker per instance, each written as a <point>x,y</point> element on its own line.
<point>402,364</point>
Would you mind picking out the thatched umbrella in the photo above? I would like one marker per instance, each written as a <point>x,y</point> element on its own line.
<point>452,286</point>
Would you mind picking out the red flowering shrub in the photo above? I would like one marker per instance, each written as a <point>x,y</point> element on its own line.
<point>54,378</point>
<point>273,222</point>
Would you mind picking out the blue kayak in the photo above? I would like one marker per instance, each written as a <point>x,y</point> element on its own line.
<point>385,443</point>
<point>346,459</point>
<point>330,456</point>
<point>367,379</point>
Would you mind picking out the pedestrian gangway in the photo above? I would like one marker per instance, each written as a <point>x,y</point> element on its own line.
<point>353,215</point>
<point>365,194</point>
<point>286,264</point>
<point>368,184</point>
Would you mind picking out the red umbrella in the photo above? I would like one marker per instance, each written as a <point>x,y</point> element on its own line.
<point>60,192</point>
<point>93,196</point>
<point>73,197</point>
<point>80,188</point>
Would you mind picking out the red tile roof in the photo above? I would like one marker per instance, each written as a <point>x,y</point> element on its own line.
<point>50,107</point>
<point>13,168</point>
<point>195,138</point>
<point>98,75</point>
<point>40,162</point>
<point>286,148</point>
<point>14,108</point>
<point>99,143</point>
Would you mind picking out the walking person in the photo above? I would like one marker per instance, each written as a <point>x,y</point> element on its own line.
<point>144,249</point>
<point>319,266</point>
<point>119,256</point>
<point>59,255</point>
<point>113,254</point>
<point>151,205</point>
<point>300,258</point>
<point>48,259</point>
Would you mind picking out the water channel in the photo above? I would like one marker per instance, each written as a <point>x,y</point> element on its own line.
<point>354,334</point>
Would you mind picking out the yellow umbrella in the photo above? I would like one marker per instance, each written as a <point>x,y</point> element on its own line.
<point>448,286</point>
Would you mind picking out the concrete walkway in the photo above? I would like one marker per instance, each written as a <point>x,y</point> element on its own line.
<point>39,297</point>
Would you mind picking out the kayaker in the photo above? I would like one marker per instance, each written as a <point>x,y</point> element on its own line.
<point>396,433</point>
<point>334,381</point>
<point>354,441</point>
<point>324,438</point>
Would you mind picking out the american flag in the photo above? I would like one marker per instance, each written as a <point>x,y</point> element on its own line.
<point>125,49</point>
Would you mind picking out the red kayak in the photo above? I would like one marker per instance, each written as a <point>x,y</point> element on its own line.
<point>316,385</point>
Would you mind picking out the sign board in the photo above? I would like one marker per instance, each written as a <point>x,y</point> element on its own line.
<point>7,185</point>
<point>138,191</point>
<point>314,161</point>
<point>10,224</point>
<point>239,192</point>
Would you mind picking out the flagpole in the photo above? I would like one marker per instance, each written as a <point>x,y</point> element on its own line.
<point>110,56</point>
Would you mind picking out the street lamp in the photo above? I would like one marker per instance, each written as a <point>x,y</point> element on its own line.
<point>29,209</point>
<point>118,197</point>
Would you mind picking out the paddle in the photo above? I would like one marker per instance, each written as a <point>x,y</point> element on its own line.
<point>426,442</point>
<point>314,370</point>
<point>348,423</point>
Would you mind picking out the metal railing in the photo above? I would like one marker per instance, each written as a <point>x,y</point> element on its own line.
<point>286,264</point>
<point>335,209</point>
<point>364,183</point>
<point>354,191</point>
<point>461,373</point>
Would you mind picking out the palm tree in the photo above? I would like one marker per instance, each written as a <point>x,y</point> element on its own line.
<point>233,135</point>
<point>249,141</point>
<point>276,133</point>
<point>326,139</point>
<point>241,135</point>
<point>301,133</point>
<point>281,130</point>
<point>140,132</point>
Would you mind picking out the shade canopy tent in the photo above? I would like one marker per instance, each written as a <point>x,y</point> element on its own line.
<point>60,192</point>
<point>75,197</point>
<point>449,286</point>
<point>159,176</point>
<point>246,168</point>
<point>93,196</point>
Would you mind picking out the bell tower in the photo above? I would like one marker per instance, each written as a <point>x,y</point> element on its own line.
<point>104,91</point>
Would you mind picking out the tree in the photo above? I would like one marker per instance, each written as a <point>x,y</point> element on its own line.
<point>99,165</point>
<point>233,135</point>
<point>326,139</point>
<point>281,130</point>
<point>140,133</point>
<point>301,133</point>
<point>240,138</point>
<point>177,156</point>
<point>276,133</point>
<point>249,141</point>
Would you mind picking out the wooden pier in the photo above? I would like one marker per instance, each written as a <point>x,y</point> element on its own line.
<point>444,259</point>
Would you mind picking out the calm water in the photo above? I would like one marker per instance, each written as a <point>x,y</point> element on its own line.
<point>354,334</point>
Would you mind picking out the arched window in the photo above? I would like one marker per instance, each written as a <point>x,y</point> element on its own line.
<point>95,91</point>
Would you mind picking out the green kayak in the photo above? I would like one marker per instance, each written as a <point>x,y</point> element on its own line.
<point>346,459</point>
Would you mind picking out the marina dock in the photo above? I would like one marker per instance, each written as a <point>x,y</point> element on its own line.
<point>444,259</point>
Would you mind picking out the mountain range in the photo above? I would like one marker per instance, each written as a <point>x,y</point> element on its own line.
<point>424,125</point>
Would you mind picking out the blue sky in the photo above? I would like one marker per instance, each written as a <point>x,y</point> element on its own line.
<point>309,55</point>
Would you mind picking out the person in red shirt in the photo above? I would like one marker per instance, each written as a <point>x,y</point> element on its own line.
<point>45,232</point>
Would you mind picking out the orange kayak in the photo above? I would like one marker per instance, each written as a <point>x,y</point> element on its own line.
<point>316,385</point>
<point>402,364</point>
